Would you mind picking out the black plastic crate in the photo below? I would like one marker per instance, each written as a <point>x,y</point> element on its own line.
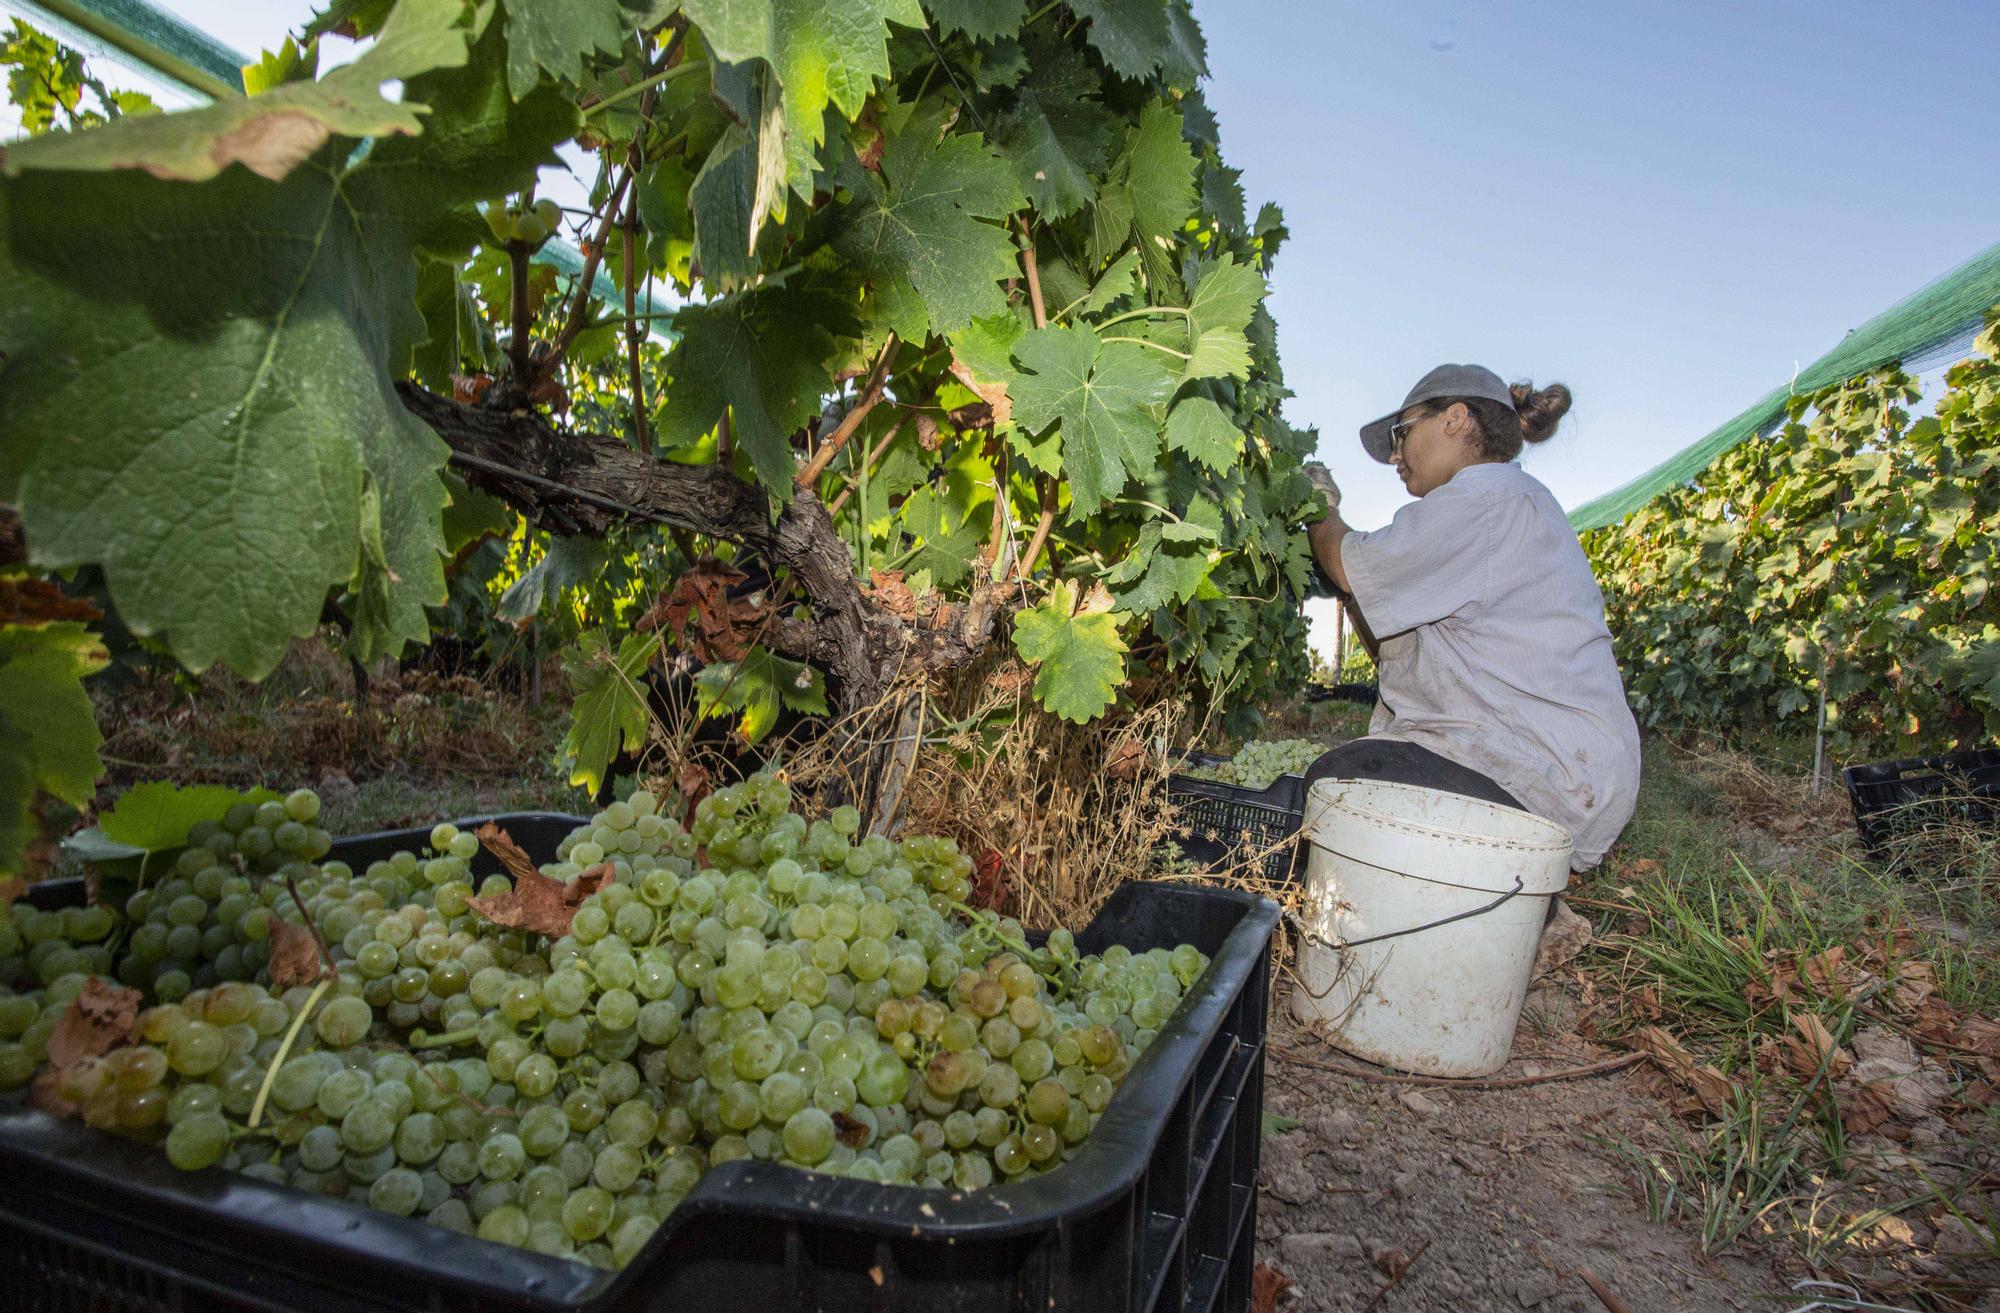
<point>1361,695</point>
<point>1893,798</point>
<point>1214,819</point>
<point>1155,1213</point>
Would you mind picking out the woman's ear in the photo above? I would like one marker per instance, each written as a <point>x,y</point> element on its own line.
<point>1458,421</point>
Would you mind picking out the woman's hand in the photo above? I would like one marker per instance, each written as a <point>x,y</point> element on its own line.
<point>1323,483</point>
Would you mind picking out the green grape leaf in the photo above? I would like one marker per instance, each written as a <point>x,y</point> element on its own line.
<point>52,727</point>
<point>1057,135</point>
<point>556,36</point>
<point>276,132</point>
<point>1220,310</point>
<point>1132,35</point>
<point>1185,61</point>
<point>17,792</point>
<point>1120,280</point>
<point>228,364</point>
<point>609,714</point>
<point>1081,657</point>
<point>949,533</point>
<point>455,334</point>
<point>1198,427</point>
<point>762,356</point>
<point>757,689</point>
<point>982,20</point>
<point>1160,571</point>
<point>155,816</point>
<point>1162,173</point>
<point>1103,395</point>
<point>921,226</point>
<point>743,179</point>
<point>471,515</point>
<point>567,563</point>
<point>824,52</point>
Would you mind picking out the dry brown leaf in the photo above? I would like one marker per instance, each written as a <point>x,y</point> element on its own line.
<point>725,626</point>
<point>1096,600</point>
<point>1125,760</point>
<point>96,1021</point>
<point>295,955</point>
<point>468,389</point>
<point>849,1131</point>
<point>691,778</point>
<point>1709,1086</point>
<point>509,854</point>
<point>541,905</point>
<point>1267,1286</point>
<point>1866,1107</point>
<point>1815,1050</point>
<point>37,602</point>
<point>892,594</point>
<point>928,436</point>
<point>991,885</point>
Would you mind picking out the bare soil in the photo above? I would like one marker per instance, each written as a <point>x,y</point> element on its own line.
<point>1511,1195</point>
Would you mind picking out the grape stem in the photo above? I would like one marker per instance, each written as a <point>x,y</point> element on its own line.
<point>291,1034</point>
<point>419,1040</point>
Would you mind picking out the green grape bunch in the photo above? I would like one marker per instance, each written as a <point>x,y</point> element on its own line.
<point>1260,762</point>
<point>753,986</point>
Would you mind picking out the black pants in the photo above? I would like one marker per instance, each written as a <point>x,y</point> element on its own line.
<point>1406,763</point>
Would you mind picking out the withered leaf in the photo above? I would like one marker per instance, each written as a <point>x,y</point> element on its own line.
<point>892,594</point>
<point>1709,1086</point>
<point>1815,1051</point>
<point>993,394</point>
<point>724,626</point>
<point>848,1131</point>
<point>97,1021</point>
<point>37,601</point>
<point>295,955</point>
<point>1124,760</point>
<point>1267,1286</point>
<point>541,905</point>
<point>509,854</point>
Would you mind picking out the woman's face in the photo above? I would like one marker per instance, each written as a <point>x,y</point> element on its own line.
<point>1431,447</point>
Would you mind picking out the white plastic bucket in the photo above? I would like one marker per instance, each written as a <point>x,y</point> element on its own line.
<point>1393,864</point>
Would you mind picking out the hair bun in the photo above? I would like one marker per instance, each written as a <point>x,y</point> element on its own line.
<point>1540,411</point>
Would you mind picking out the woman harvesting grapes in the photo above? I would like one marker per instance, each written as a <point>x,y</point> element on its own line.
<point>1496,671</point>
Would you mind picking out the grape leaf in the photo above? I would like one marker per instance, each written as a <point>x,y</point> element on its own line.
<point>921,227</point>
<point>743,179</point>
<point>1103,395</point>
<point>1120,280</point>
<point>609,714</point>
<point>757,688</point>
<point>760,355</point>
<point>566,563</point>
<point>276,132</point>
<point>1161,571</point>
<point>1219,312</point>
<point>224,354</point>
<point>1185,60</point>
<point>1081,657</point>
<point>1198,427</point>
<point>981,358</point>
<point>156,815</point>
<point>1057,135</point>
<point>557,35</point>
<point>53,729</point>
<point>17,790</point>
<point>823,52</point>
<point>1132,35</point>
<point>1162,173</point>
<point>982,20</point>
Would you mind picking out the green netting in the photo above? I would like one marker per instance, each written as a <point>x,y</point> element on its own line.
<point>1933,324</point>
<point>162,42</point>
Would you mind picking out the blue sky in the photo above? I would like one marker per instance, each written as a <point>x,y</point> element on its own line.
<point>1667,206</point>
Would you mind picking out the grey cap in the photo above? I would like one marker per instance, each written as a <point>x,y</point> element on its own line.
<point>1444,381</point>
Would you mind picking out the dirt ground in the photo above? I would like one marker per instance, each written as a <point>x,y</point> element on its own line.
<point>1509,1194</point>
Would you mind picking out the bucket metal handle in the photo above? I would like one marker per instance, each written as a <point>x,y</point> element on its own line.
<point>1314,936</point>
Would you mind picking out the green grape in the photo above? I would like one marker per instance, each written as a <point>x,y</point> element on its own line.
<point>809,1135</point>
<point>587,1212</point>
<point>398,1190</point>
<point>198,1141</point>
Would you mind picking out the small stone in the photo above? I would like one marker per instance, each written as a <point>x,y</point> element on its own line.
<point>1304,1249</point>
<point>1420,1103</point>
<point>1401,1185</point>
<point>1335,1126</point>
<point>1955,1235</point>
<point>1345,1162</point>
<point>1289,1181</point>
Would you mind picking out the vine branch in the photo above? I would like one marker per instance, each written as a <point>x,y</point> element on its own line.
<point>871,394</point>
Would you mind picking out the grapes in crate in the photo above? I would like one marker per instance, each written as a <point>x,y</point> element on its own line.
<point>1259,763</point>
<point>757,986</point>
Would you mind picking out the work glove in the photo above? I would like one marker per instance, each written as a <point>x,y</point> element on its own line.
<point>1323,484</point>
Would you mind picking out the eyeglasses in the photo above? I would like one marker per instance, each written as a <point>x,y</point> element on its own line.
<point>1399,432</point>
